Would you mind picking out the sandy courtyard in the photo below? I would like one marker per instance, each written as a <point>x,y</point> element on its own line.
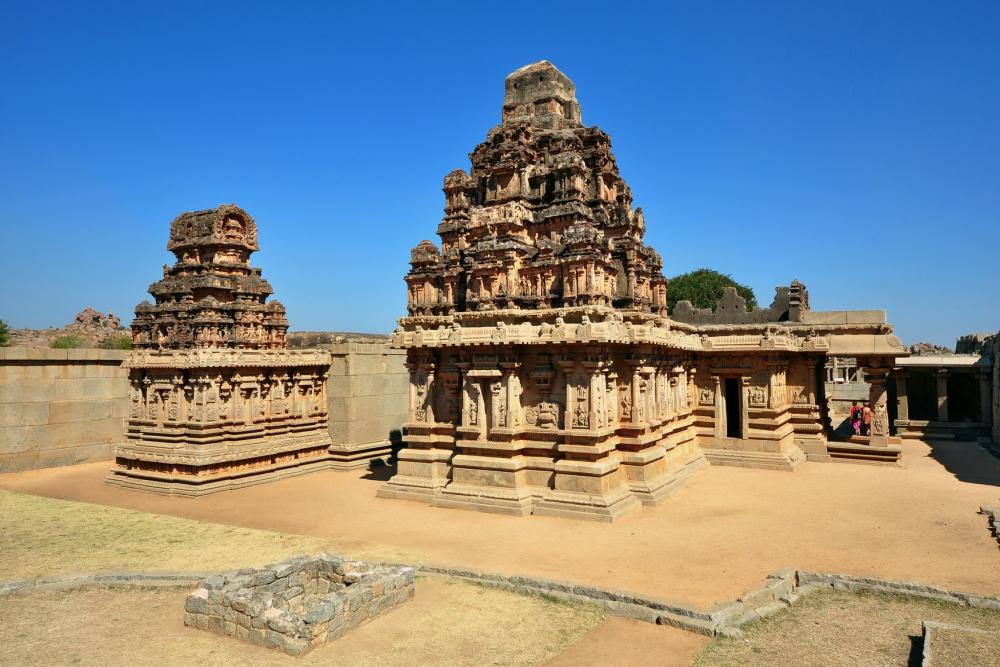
<point>719,535</point>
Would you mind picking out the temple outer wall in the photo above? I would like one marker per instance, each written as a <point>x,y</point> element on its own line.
<point>60,407</point>
<point>367,399</point>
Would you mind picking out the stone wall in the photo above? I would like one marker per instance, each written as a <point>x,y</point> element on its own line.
<point>299,604</point>
<point>59,407</point>
<point>367,401</point>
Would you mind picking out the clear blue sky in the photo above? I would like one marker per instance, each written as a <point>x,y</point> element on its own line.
<point>854,146</point>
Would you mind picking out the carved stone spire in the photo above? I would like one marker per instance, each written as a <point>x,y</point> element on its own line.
<point>211,297</point>
<point>543,220</point>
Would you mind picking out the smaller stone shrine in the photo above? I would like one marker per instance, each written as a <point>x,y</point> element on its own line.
<point>216,401</point>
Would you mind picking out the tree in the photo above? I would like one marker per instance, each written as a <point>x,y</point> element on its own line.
<point>703,288</point>
<point>4,334</point>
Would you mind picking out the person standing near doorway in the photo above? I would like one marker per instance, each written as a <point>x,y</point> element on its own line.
<point>866,419</point>
<point>856,418</point>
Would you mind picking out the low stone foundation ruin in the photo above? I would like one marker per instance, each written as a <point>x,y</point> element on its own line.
<point>299,604</point>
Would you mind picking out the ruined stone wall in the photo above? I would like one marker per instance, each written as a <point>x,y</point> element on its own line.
<point>367,400</point>
<point>60,407</point>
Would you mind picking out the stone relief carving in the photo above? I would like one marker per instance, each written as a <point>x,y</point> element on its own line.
<point>706,396</point>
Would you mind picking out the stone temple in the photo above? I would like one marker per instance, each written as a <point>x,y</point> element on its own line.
<point>546,376</point>
<point>216,401</point>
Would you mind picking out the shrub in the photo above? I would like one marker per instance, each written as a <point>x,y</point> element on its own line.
<point>4,334</point>
<point>67,341</point>
<point>116,342</point>
<point>703,288</point>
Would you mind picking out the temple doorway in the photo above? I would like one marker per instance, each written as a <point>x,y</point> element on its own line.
<point>734,409</point>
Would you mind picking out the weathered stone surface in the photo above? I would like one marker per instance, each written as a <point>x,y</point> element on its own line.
<point>210,362</point>
<point>546,376</point>
<point>291,618</point>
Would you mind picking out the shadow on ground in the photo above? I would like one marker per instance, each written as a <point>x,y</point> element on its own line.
<point>967,461</point>
<point>916,658</point>
<point>380,472</point>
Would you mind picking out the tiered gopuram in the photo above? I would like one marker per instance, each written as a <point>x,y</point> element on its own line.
<point>216,399</point>
<point>545,374</point>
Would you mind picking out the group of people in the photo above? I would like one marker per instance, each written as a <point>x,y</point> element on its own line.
<point>861,419</point>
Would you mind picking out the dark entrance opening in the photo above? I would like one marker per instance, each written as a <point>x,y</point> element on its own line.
<point>963,397</point>
<point>734,425</point>
<point>921,393</point>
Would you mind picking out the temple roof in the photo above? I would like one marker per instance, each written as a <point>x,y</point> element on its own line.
<point>224,225</point>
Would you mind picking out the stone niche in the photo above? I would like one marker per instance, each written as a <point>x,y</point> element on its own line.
<point>299,604</point>
<point>216,400</point>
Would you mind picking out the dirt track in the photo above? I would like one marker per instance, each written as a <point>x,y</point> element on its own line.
<point>719,535</point>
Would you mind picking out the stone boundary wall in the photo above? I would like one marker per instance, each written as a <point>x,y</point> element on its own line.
<point>73,582</point>
<point>60,407</point>
<point>779,590</point>
<point>367,397</point>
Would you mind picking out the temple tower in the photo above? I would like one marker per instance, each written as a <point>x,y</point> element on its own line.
<point>216,399</point>
<point>529,392</point>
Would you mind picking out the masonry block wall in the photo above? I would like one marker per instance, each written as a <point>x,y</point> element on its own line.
<point>367,400</point>
<point>60,407</point>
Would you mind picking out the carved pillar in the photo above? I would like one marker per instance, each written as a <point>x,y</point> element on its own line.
<point>902,399</point>
<point>877,401</point>
<point>637,413</point>
<point>692,389</point>
<point>720,408</point>
<point>745,407</point>
<point>985,399</point>
<point>611,393</point>
<point>942,395</point>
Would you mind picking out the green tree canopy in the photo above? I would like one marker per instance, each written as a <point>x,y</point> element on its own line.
<point>703,288</point>
<point>4,334</point>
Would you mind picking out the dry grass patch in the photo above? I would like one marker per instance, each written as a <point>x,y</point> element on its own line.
<point>839,628</point>
<point>42,536</point>
<point>447,623</point>
<point>950,645</point>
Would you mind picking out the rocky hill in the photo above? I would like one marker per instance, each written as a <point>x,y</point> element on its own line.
<point>90,328</point>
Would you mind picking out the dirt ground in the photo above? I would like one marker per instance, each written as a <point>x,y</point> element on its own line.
<point>716,537</point>
<point>850,630</point>
<point>623,642</point>
<point>447,623</point>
